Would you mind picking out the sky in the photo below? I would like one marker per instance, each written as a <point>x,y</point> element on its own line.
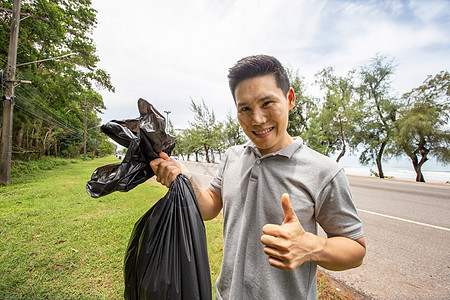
<point>169,52</point>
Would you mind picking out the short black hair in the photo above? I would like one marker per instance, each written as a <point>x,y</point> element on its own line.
<point>257,66</point>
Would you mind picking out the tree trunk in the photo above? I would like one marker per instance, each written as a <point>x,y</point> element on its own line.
<point>206,154</point>
<point>341,154</point>
<point>20,136</point>
<point>37,133</point>
<point>378,160</point>
<point>27,141</point>
<point>31,138</point>
<point>46,144</point>
<point>418,165</point>
<point>343,140</point>
<point>212,156</point>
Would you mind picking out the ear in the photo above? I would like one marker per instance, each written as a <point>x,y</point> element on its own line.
<point>291,98</point>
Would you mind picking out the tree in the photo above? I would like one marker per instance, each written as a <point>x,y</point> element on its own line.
<point>304,107</point>
<point>181,147</point>
<point>375,129</point>
<point>332,129</point>
<point>233,133</point>
<point>423,129</point>
<point>50,111</point>
<point>205,132</point>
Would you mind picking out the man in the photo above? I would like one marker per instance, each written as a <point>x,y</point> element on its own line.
<point>271,249</point>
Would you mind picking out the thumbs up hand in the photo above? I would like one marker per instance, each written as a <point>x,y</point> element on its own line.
<point>289,245</point>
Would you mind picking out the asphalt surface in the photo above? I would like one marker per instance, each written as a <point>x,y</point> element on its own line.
<point>407,231</point>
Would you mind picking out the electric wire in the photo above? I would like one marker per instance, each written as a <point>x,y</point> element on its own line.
<point>33,114</point>
<point>36,97</point>
<point>54,119</point>
<point>44,114</point>
<point>48,15</point>
<point>33,105</point>
<point>43,106</point>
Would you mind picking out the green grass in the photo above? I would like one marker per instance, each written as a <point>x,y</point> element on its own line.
<point>22,171</point>
<point>56,242</point>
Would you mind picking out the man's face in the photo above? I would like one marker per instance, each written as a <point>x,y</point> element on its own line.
<point>263,112</point>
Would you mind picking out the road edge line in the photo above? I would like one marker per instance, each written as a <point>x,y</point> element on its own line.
<point>404,220</point>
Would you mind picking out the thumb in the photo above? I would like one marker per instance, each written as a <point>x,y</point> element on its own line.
<point>289,214</point>
<point>164,155</point>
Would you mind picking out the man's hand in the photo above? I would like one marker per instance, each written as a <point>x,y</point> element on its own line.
<point>289,245</point>
<point>167,169</point>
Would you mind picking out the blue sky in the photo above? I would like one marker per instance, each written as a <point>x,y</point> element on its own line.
<point>170,51</point>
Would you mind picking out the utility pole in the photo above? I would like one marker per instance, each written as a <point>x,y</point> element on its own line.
<point>167,113</point>
<point>85,130</point>
<point>8,99</point>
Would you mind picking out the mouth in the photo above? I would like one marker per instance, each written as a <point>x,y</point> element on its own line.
<point>263,132</point>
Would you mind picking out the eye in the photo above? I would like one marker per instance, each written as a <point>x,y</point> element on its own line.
<point>245,108</point>
<point>268,103</point>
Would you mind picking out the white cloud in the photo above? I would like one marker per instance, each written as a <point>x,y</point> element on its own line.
<point>168,51</point>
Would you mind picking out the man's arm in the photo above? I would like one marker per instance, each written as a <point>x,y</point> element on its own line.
<point>289,245</point>
<point>167,169</point>
<point>341,253</point>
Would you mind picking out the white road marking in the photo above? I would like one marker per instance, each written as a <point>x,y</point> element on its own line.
<point>404,220</point>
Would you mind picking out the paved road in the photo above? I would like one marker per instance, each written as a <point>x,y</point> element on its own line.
<point>407,230</point>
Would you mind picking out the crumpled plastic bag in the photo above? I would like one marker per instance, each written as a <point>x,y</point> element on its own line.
<point>167,256</point>
<point>144,137</point>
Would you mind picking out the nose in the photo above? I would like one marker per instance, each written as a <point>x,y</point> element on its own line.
<point>259,117</point>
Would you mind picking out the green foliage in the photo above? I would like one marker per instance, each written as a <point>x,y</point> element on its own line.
<point>375,128</point>
<point>49,113</point>
<point>205,132</point>
<point>422,129</point>
<point>333,127</point>
<point>105,148</point>
<point>374,173</point>
<point>304,108</point>
<point>206,136</point>
<point>20,169</point>
<point>233,133</point>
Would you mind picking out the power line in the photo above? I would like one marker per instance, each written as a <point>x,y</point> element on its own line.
<point>28,101</point>
<point>48,15</point>
<point>43,106</point>
<point>33,114</point>
<point>36,97</point>
<point>54,117</point>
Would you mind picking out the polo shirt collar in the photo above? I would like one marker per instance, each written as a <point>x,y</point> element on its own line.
<point>287,151</point>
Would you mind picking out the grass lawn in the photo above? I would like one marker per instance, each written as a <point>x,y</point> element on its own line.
<point>56,242</point>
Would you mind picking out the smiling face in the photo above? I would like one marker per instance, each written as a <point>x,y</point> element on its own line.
<point>263,112</point>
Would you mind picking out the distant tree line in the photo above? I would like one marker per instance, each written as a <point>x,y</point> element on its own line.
<point>206,137</point>
<point>357,113</point>
<point>49,114</point>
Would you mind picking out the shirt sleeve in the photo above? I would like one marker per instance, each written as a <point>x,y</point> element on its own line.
<point>216,183</point>
<point>335,211</point>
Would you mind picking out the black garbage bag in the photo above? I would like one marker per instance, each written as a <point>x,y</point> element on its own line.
<point>144,137</point>
<point>167,257</point>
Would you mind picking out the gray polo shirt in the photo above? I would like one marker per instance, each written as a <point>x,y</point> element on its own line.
<point>251,186</point>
